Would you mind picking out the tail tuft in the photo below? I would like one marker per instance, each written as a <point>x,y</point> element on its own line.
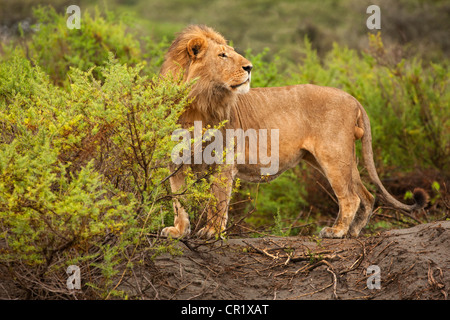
<point>421,198</point>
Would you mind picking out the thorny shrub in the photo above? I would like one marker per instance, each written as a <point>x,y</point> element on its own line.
<point>83,172</point>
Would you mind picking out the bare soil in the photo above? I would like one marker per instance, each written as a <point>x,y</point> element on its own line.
<point>414,263</point>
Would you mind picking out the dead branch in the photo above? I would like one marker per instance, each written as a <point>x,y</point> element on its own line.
<point>330,270</point>
<point>358,261</point>
<point>324,189</point>
<point>260,250</point>
<point>311,293</point>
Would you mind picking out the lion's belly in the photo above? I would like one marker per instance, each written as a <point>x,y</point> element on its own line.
<point>253,173</point>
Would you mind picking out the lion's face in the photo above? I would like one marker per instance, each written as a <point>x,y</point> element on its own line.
<point>200,53</point>
<point>220,65</point>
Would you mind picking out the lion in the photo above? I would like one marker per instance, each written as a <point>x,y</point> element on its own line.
<point>316,124</point>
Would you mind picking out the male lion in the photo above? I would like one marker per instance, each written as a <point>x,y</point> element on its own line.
<point>316,124</point>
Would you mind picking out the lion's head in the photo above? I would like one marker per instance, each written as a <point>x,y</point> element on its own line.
<point>203,54</point>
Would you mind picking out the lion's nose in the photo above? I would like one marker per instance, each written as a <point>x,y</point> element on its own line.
<point>248,68</point>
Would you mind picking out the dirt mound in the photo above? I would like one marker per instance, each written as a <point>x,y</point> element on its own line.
<point>410,263</point>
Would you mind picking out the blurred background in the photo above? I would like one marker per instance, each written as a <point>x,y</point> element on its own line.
<point>412,26</point>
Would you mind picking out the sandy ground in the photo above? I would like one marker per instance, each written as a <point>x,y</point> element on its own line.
<point>413,263</point>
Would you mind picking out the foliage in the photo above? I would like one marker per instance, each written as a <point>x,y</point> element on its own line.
<point>268,71</point>
<point>418,26</point>
<point>283,198</point>
<point>57,48</point>
<point>81,166</point>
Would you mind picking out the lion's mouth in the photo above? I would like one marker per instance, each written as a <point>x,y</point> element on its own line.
<point>240,84</point>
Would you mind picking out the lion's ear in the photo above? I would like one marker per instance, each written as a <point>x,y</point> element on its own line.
<point>197,47</point>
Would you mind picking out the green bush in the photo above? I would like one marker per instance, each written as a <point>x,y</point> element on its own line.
<point>56,48</point>
<point>85,143</point>
<point>283,198</point>
<point>82,166</point>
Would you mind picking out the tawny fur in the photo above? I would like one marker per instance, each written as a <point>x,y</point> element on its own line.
<point>316,124</point>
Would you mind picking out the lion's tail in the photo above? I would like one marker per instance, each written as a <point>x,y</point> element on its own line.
<point>420,195</point>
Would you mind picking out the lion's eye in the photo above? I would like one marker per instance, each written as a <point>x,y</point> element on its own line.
<point>223,55</point>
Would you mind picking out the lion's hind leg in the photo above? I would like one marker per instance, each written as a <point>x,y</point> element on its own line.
<point>348,205</point>
<point>341,182</point>
<point>367,199</point>
<point>337,167</point>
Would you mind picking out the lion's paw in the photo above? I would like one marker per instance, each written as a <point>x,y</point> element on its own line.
<point>171,232</point>
<point>331,232</point>
<point>354,232</point>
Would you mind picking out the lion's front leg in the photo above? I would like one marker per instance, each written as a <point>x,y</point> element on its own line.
<point>181,222</point>
<point>217,214</point>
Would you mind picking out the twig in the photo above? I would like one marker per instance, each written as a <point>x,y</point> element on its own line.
<point>330,270</point>
<point>432,281</point>
<point>322,254</point>
<point>137,282</point>
<point>386,216</point>
<point>358,261</point>
<point>270,255</point>
<point>171,175</point>
<point>385,248</point>
<point>310,266</point>
<point>134,251</point>
<point>260,250</point>
<point>256,231</point>
<point>289,258</point>
<point>311,293</point>
<point>151,284</point>
<point>331,196</point>
<point>202,265</point>
<point>234,224</point>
